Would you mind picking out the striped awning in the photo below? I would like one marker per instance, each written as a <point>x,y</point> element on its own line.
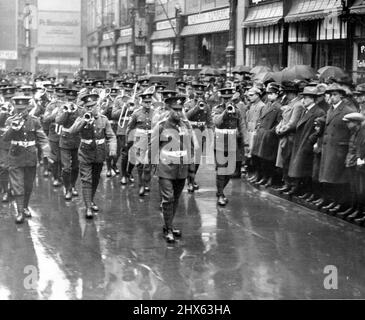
<point>202,28</point>
<point>304,10</point>
<point>358,7</point>
<point>163,34</point>
<point>264,15</point>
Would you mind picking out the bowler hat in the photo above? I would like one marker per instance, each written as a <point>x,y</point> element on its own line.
<point>335,87</point>
<point>310,91</point>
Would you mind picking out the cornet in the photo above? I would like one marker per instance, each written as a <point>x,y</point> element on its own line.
<point>231,108</point>
<point>88,117</point>
<point>7,107</point>
<point>70,108</point>
<point>17,123</point>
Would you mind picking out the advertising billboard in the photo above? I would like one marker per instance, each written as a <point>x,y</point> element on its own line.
<point>8,30</point>
<point>59,28</point>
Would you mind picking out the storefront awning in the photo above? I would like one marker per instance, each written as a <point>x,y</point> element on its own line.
<point>163,34</point>
<point>211,27</point>
<point>358,7</point>
<point>59,62</point>
<point>264,15</point>
<point>304,10</point>
<point>106,43</point>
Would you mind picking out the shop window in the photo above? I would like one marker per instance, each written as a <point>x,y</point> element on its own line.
<point>331,54</point>
<point>162,55</point>
<point>270,54</point>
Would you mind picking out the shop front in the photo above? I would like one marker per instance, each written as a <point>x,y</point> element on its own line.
<point>108,51</point>
<point>317,35</point>
<point>263,34</point>
<point>124,50</point>
<point>358,12</point>
<point>163,44</point>
<point>205,39</point>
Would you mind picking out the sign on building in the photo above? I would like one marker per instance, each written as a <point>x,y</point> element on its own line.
<point>8,30</point>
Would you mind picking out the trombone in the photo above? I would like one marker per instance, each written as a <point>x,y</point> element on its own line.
<point>130,105</point>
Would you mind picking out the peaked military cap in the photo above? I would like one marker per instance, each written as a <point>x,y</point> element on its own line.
<point>21,101</point>
<point>90,99</point>
<point>168,94</point>
<point>227,92</point>
<point>176,103</point>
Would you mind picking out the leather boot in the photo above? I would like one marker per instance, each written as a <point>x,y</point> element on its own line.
<point>360,221</point>
<point>345,214</point>
<point>169,236</point>
<point>355,215</point>
<point>19,218</point>
<point>196,186</point>
<point>75,192</point>
<point>68,195</point>
<point>116,170</point>
<point>109,174</point>
<point>89,213</point>
<point>176,232</point>
<point>94,207</point>
<point>123,181</point>
<point>141,191</point>
<point>334,210</point>
<point>268,184</point>
<point>311,198</point>
<point>305,196</point>
<point>6,197</point>
<point>56,183</point>
<point>284,188</point>
<point>27,213</point>
<point>221,201</point>
<point>262,182</point>
<point>330,206</point>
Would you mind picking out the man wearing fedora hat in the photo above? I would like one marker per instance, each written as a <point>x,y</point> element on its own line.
<point>359,95</point>
<point>355,168</point>
<point>336,137</point>
<point>291,114</point>
<point>301,161</point>
<point>24,134</point>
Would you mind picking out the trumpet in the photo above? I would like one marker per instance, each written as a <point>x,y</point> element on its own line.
<point>70,107</point>
<point>7,107</point>
<point>231,108</point>
<point>88,117</point>
<point>17,123</point>
<point>201,105</point>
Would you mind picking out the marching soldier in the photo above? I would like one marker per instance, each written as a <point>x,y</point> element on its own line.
<point>174,166</point>
<point>139,131</point>
<point>228,124</point>
<point>54,132</point>
<point>69,144</point>
<point>121,113</point>
<point>7,110</point>
<point>24,133</point>
<point>96,134</point>
<point>200,118</point>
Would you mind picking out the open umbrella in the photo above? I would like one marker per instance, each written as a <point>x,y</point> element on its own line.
<point>260,69</point>
<point>263,76</point>
<point>331,71</point>
<point>241,69</point>
<point>298,72</point>
<point>209,71</point>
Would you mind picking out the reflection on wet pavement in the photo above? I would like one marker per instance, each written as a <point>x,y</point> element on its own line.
<point>258,247</point>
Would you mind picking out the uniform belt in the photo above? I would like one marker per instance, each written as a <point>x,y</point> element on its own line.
<point>66,130</point>
<point>174,154</point>
<point>226,131</point>
<point>198,124</point>
<point>143,131</point>
<point>98,142</point>
<point>24,144</point>
<point>113,121</point>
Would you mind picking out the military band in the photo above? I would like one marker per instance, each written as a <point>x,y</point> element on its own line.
<point>306,138</point>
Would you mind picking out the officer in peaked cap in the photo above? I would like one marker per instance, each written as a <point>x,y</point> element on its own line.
<point>139,131</point>
<point>199,89</point>
<point>108,83</point>
<point>25,133</point>
<point>173,166</point>
<point>168,94</point>
<point>128,86</point>
<point>27,90</point>
<point>6,112</point>
<point>51,79</point>
<point>143,83</point>
<point>77,84</point>
<point>98,84</point>
<point>71,95</point>
<point>160,87</point>
<point>97,137</point>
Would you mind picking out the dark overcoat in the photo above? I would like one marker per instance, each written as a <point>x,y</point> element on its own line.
<point>266,141</point>
<point>301,162</point>
<point>335,146</point>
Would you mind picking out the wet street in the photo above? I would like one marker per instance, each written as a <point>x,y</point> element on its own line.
<point>258,247</point>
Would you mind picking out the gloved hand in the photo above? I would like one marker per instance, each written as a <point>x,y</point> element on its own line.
<point>360,162</point>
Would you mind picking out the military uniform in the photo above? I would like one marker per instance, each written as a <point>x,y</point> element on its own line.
<point>229,138</point>
<point>122,113</point>
<point>140,128</point>
<point>174,166</point>
<point>69,145</point>
<point>5,145</point>
<point>23,156</point>
<point>200,117</point>
<point>54,134</point>
<point>95,138</point>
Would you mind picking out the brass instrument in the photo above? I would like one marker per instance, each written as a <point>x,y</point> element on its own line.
<point>7,107</point>
<point>130,104</point>
<point>70,107</point>
<point>230,108</point>
<point>201,105</point>
<point>88,117</point>
<point>17,122</point>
